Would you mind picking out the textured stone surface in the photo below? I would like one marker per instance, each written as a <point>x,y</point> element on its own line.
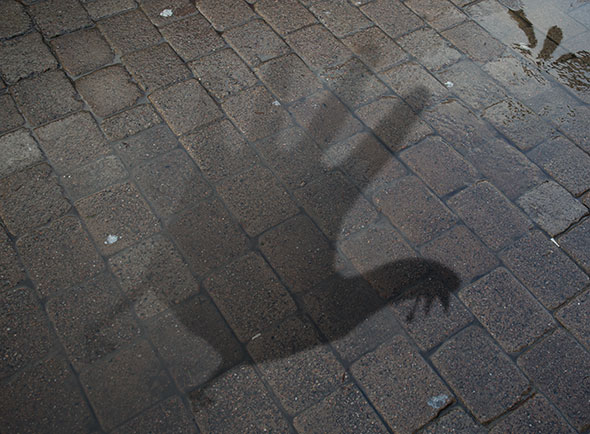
<point>16,66</point>
<point>19,150</point>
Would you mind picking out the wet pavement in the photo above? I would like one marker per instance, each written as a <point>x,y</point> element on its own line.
<point>294,216</point>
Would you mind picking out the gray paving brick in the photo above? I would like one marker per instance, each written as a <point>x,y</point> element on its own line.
<point>454,421</point>
<point>16,20</point>
<point>146,145</point>
<point>224,15</point>
<point>573,315</point>
<point>577,243</point>
<point>19,150</point>
<point>11,269</point>
<point>284,16</point>
<point>429,48</point>
<point>130,122</point>
<point>52,18</point>
<point>129,31</point>
<point>10,118</point>
<point>475,42</point>
<point>318,47</point>
<point>15,65</point>
<point>94,176</point>
<point>192,37</point>
<point>82,51</point>
<point>440,15</point>
<point>392,16</point>
<point>179,9</point>
<point>98,9</point>
<point>340,17</point>
<point>375,48</point>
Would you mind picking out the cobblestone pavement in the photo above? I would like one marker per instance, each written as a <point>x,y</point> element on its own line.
<point>294,216</point>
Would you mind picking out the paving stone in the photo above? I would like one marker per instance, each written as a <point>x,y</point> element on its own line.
<point>19,150</point>
<point>219,150</point>
<point>153,276</point>
<point>156,67</point>
<point>429,48</point>
<point>171,183</point>
<point>237,401</point>
<point>16,20</point>
<point>577,242</point>
<point>55,17</point>
<point>552,207</point>
<point>179,102</point>
<point>82,51</point>
<point>225,15</point>
<point>31,198</point>
<point>559,367</point>
<point>146,145</point>
<point>255,113</point>
<point>535,415</point>
<point>179,8</point>
<point>574,318</point>
<point>15,65</point>
<point>462,252</point>
<point>46,97</point>
<point>285,16</point>
<point>518,123</point>
<point>211,246</point>
<point>192,37</point>
<point>288,78</point>
<point>92,320</point>
<point>102,8</point>
<point>11,270</point>
<point>340,17</point>
<point>129,31</point>
<point>26,336</point>
<point>223,73</point>
<point>168,416</point>
<point>108,90</point>
<point>485,379</point>
<point>401,386</point>
<point>392,16</point>
<point>45,398</point>
<point>249,296</point>
<point>507,310</point>
<point>195,343</point>
<point>122,384</point>
<point>94,176</point>
<point>257,200</point>
<point>10,118</point>
<point>325,118</point>
<point>318,47</point>
<point>546,271</point>
<point>72,142</point>
<point>344,411</point>
<point>375,48</point>
<point>565,162</point>
<point>414,210</point>
<point>575,125</point>
<point>441,16</point>
<point>475,42</point>
<point>130,122</point>
<point>73,259</point>
<point>455,421</point>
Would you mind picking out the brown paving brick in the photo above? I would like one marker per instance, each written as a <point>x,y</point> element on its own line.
<point>25,332</point>
<point>18,150</point>
<point>223,73</point>
<point>392,16</point>
<point>318,47</point>
<point>219,150</point>
<point>284,16</point>
<point>211,245</point>
<point>485,379</point>
<point>55,17</point>
<point>117,211</point>
<point>130,122</point>
<point>414,210</point>
<point>179,8</point>
<point>439,165</point>
<point>375,48</point>
<point>102,8</point>
<point>429,48</point>
<point>507,310</point>
<point>565,162</point>
<point>256,114</point>
<point>257,200</point>
<point>340,17</point>
<point>146,145</point>
<point>249,296</point>
<point>546,271</point>
<point>129,31</point>
<point>224,14</point>
<point>299,370</point>
<point>559,367</point>
<point>491,216</point>
<point>155,67</point>
<point>94,176</point>
<point>153,276</point>
<point>178,103</point>
<point>45,397</point>
<point>535,415</point>
<point>59,255</point>
<point>25,56</point>
<point>92,320</point>
<point>401,386</point>
<point>577,243</point>
<point>192,37</point>
<point>237,402</point>
<point>171,183</point>
<point>288,78</point>
<point>456,421</point>
<point>125,383</point>
<point>46,97</point>
<point>168,416</point>
<point>31,198</point>
<point>475,42</point>
<point>194,342</point>
<point>440,15</point>
<point>344,411</point>
<point>325,118</point>
<point>462,252</point>
<point>11,270</point>
<point>82,51</point>
<point>72,142</point>
<point>15,20</point>
<point>9,116</point>
<point>574,316</point>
